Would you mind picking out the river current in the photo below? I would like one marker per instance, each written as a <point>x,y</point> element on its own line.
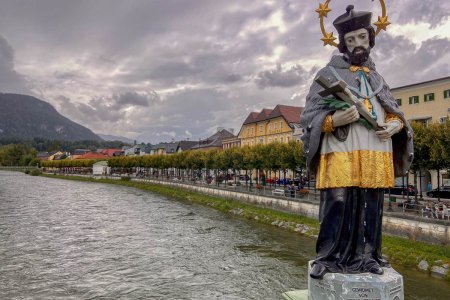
<point>63,239</point>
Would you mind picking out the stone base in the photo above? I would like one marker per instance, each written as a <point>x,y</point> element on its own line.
<point>364,286</point>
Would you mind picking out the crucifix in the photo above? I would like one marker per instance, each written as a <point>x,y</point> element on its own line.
<point>337,89</point>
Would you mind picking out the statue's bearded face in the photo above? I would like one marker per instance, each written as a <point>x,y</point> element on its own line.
<point>358,46</point>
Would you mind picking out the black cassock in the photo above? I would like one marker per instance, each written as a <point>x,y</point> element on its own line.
<point>350,229</point>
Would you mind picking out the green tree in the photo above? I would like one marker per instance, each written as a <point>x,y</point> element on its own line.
<point>16,155</point>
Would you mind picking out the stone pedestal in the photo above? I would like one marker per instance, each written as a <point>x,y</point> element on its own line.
<point>364,286</point>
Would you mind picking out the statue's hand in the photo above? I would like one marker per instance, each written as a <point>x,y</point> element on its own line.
<point>389,130</point>
<point>344,117</point>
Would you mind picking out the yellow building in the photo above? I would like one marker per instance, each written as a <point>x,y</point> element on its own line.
<point>280,124</point>
<point>427,101</point>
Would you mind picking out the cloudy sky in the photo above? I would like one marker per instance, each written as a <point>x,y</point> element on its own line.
<point>157,70</point>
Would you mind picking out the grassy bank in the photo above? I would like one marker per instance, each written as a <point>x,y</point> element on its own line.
<point>399,250</point>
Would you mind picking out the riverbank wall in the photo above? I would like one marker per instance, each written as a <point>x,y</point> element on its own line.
<point>412,227</point>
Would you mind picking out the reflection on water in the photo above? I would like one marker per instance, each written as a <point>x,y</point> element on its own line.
<point>71,240</point>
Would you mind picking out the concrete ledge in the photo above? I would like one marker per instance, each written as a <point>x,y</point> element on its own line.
<point>414,228</point>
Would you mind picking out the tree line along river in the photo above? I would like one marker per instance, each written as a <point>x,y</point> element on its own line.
<point>63,239</point>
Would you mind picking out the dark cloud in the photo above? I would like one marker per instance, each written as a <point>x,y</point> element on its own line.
<point>99,113</point>
<point>6,55</point>
<point>232,78</point>
<point>231,22</point>
<point>401,62</point>
<point>281,78</point>
<point>93,113</point>
<point>10,80</point>
<point>429,11</point>
<point>195,110</point>
<point>200,61</point>
<point>134,99</point>
<point>173,71</point>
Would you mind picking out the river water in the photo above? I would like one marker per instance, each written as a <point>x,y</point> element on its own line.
<point>64,239</point>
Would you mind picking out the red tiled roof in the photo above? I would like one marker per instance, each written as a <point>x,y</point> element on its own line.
<point>110,152</point>
<point>251,117</point>
<point>290,113</point>
<point>264,114</point>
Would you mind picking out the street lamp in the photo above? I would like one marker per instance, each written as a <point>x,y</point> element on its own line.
<point>420,183</point>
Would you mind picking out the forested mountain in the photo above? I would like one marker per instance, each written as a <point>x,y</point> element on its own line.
<point>109,137</point>
<point>25,117</point>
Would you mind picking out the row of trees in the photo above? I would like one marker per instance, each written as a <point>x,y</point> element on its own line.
<point>272,157</point>
<point>18,155</point>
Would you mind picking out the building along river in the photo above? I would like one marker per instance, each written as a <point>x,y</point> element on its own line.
<point>62,239</point>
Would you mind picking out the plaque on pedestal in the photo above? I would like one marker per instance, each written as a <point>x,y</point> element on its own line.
<point>364,286</point>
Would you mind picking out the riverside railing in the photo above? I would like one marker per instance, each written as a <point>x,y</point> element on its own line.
<point>286,192</point>
<point>400,206</point>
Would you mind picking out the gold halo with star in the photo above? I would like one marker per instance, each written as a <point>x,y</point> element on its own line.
<point>328,38</point>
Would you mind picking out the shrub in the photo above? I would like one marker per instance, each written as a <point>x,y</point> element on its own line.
<point>35,172</point>
<point>125,178</point>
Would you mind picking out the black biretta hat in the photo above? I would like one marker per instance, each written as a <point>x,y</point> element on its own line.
<point>352,20</point>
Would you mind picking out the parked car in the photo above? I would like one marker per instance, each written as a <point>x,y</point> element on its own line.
<point>402,190</point>
<point>278,192</point>
<point>244,179</point>
<point>444,192</point>
<point>284,181</point>
<point>272,180</point>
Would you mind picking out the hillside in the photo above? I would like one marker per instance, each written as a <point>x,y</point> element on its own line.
<point>109,137</point>
<point>25,117</point>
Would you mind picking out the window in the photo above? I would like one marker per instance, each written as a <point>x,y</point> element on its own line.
<point>287,139</point>
<point>413,99</point>
<point>446,94</point>
<point>275,126</point>
<point>399,102</point>
<point>281,124</point>
<point>442,120</point>
<point>281,139</point>
<point>428,97</point>
<point>270,140</point>
<point>248,131</point>
<point>270,127</point>
<point>261,140</point>
<point>260,128</point>
<point>275,140</point>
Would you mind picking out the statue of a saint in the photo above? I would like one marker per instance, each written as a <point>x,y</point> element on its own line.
<point>354,162</point>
